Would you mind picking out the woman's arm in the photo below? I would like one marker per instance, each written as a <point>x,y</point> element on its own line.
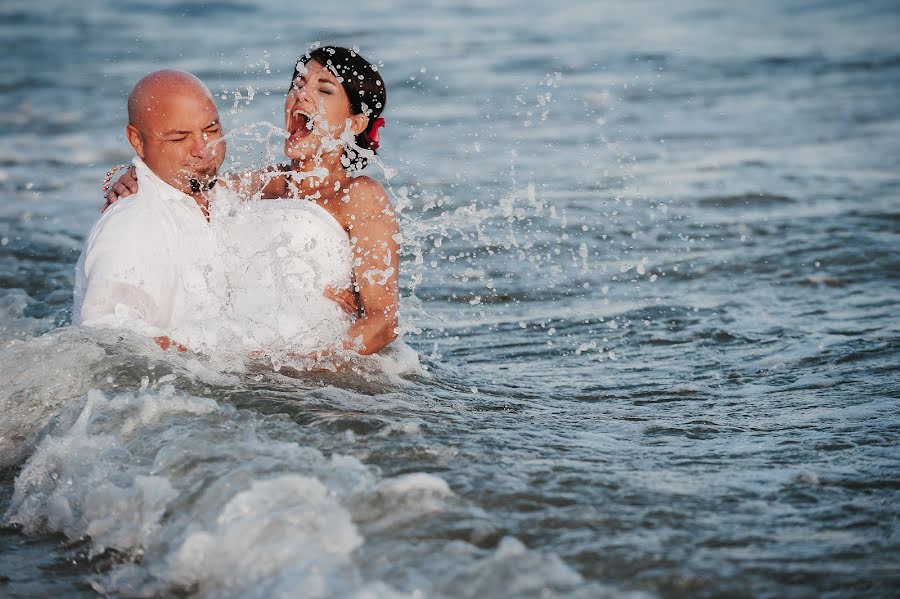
<point>375,241</point>
<point>122,188</point>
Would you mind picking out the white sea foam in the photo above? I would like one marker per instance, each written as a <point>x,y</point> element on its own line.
<point>42,374</point>
<point>291,522</point>
<point>390,365</point>
<point>513,570</point>
<point>208,498</point>
<point>510,571</point>
<point>401,500</point>
<point>39,375</point>
<point>214,500</point>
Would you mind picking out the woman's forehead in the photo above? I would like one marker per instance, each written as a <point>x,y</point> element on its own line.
<point>314,67</point>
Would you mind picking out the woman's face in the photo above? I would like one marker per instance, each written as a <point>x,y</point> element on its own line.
<point>316,113</point>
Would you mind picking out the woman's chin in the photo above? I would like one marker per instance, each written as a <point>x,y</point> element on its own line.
<point>296,150</point>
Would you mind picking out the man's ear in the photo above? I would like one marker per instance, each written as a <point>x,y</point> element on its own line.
<point>358,123</point>
<point>135,139</point>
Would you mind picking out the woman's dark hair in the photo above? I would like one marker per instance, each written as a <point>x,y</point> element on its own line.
<point>363,84</point>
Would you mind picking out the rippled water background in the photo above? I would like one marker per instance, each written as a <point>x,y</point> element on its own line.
<point>650,269</point>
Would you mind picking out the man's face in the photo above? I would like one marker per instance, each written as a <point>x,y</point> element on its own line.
<point>180,138</point>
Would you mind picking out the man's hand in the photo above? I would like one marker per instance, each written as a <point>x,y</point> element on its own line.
<point>346,298</point>
<point>165,343</point>
<point>122,188</point>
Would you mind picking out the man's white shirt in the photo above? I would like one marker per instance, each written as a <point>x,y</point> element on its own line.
<point>151,264</point>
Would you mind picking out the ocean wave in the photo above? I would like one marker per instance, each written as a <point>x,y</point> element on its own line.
<point>196,496</point>
<point>198,491</point>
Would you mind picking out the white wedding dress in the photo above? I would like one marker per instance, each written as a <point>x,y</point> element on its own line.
<point>280,256</point>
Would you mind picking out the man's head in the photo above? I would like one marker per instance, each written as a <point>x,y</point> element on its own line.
<point>174,127</point>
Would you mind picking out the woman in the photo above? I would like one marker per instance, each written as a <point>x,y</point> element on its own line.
<point>332,115</point>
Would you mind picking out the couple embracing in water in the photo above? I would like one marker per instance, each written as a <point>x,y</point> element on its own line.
<point>308,269</point>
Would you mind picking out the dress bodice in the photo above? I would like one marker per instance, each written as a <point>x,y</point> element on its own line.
<point>280,257</point>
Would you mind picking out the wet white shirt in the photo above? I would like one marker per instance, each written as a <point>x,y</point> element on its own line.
<point>151,264</point>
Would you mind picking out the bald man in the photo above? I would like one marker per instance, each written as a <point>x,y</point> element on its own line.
<point>150,263</point>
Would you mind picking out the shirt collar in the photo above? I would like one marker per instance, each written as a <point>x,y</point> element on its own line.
<point>150,180</point>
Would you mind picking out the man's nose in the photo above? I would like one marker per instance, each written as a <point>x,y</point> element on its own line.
<point>199,146</point>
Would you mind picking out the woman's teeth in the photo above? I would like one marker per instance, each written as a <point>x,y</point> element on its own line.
<point>302,121</point>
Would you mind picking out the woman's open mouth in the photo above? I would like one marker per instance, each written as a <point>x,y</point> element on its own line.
<point>301,126</point>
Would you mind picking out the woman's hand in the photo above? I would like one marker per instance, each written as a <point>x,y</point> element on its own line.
<point>122,188</point>
<point>372,333</point>
<point>346,298</point>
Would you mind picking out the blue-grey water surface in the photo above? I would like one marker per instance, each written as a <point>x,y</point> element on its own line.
<point>650,269</point>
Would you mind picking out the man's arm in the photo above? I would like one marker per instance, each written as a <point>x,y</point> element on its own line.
<point>125,277</point>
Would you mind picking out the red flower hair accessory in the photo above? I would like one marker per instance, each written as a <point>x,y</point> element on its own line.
<point>373,134</point>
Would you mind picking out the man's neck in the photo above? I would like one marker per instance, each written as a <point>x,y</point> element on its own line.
<point>202,203</point>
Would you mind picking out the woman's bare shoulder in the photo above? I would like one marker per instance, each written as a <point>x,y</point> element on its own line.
<point>366,185</point>
<point>368,195</point>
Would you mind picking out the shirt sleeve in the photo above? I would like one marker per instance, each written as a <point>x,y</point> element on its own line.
<point>127,276</point>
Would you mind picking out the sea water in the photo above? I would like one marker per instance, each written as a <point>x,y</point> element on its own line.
<point>649,274</point>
